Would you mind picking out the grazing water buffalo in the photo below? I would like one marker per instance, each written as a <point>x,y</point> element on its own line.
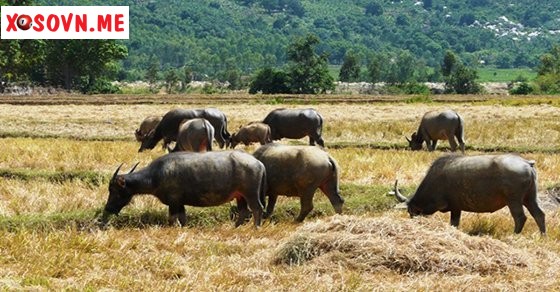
<point>483,183</point>
<point>436,126</point>
<point>298,171</point>
<point>147,125</point>
<point>168,128</point>
<point>253,132</point>
<point>194,135</point>
<point>296,124</point>
<point>194,179</point>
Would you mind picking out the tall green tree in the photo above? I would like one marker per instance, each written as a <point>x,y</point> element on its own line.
<point>448,64</point>
<point>82,63</point>
<point>548,75</point>
<point>350,69</point>
<point>152,75</point>
<point>307,70</point>
<point>375,68</point>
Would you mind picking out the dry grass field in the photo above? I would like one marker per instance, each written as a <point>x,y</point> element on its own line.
<point>59,152</point>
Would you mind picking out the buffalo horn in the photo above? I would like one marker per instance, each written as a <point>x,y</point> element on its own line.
<point>407,139</point>
<point>398,194</point>
<point>134,167</point>
<point>117,171</point>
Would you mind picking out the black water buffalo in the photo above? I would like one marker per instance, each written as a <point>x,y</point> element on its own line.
<point>168,127</point>
<point>253,132</point>
<point>194,135</point>
<point>483,183</point>
<point>298,171</point>
<point>147,125</point>
<point>434,126</point>
<point>296,124</point>
<point>194,179</point>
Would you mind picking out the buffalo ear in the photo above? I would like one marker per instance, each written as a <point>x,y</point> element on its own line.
<point>121,182</point>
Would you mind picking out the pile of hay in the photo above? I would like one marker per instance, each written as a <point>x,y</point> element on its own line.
<point>399,244</point>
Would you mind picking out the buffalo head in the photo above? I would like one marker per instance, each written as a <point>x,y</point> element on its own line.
<point>119,194</point>
<point>149,141</point>
<point>415,143</point>
<point>415,206</point>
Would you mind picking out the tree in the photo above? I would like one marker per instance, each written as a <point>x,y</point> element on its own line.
<point>458,77</point>
<point>171,80</point>
<point>187,78</point>
<point>449,63</point>
<point>152,75</point>
<point>350,70</point>
<point>270,81</point>
<point>374,9</point>
<point>462,80</point>
<point>374,68</point>
<point>307,70</point>
<point>548,75</point>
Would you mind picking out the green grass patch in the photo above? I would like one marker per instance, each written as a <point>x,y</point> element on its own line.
<point>91,178</point>
<point>359,200</point>
<point>419,99</point>
<point>55,136</point>
<point>505,75</point>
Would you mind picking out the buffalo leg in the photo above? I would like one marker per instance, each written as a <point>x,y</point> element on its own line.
<point>536,212</point>
<point>455,218</point>
<point>461,142</point>
<point>311,141</point>
<point>306,202</point>
<point>519,217</point>
<point>243,211</point>
<point>452,143</point>
<point>330,190</point>
<point>270,207</point>
<point>177,212</point>
<point>256,207</point>
<point>434,145</point>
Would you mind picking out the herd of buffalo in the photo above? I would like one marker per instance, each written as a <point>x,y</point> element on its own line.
<point>192,174</point>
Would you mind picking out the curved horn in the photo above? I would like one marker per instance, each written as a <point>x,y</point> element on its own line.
<point>398,194</point>
<point>407,139</point>
<point>134,167</point>
<point>117,171</point>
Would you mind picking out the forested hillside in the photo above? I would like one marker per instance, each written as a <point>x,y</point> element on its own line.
<point>215,36</point>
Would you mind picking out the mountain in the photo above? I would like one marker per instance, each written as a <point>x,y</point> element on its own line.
<point>213,37</point>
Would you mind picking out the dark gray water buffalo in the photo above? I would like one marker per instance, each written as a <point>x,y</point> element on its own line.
<point>253,132</point>
<point>297,171</point>
<point>194,135</point>
<point>194,179</point>
<point>483,183</point>
<point>436,126</point>
<point>296,124</point>
<point>168,128</point>
<point>147,125</point>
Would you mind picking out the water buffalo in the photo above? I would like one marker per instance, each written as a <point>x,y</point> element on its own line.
<point>194,179</point>
<point>194,135</point>
<point>147,125</point>
<point>296,124</point>
<point>436,126</point>
<point>483,183</point>
<point>298,171</point>
<point>168,128</point>
<point>253,132</point>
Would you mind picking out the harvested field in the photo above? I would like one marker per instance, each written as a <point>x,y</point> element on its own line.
<point>58,153</point>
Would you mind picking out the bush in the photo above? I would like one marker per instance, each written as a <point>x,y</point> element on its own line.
<point>270,81</point>
<point>522,88</point>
